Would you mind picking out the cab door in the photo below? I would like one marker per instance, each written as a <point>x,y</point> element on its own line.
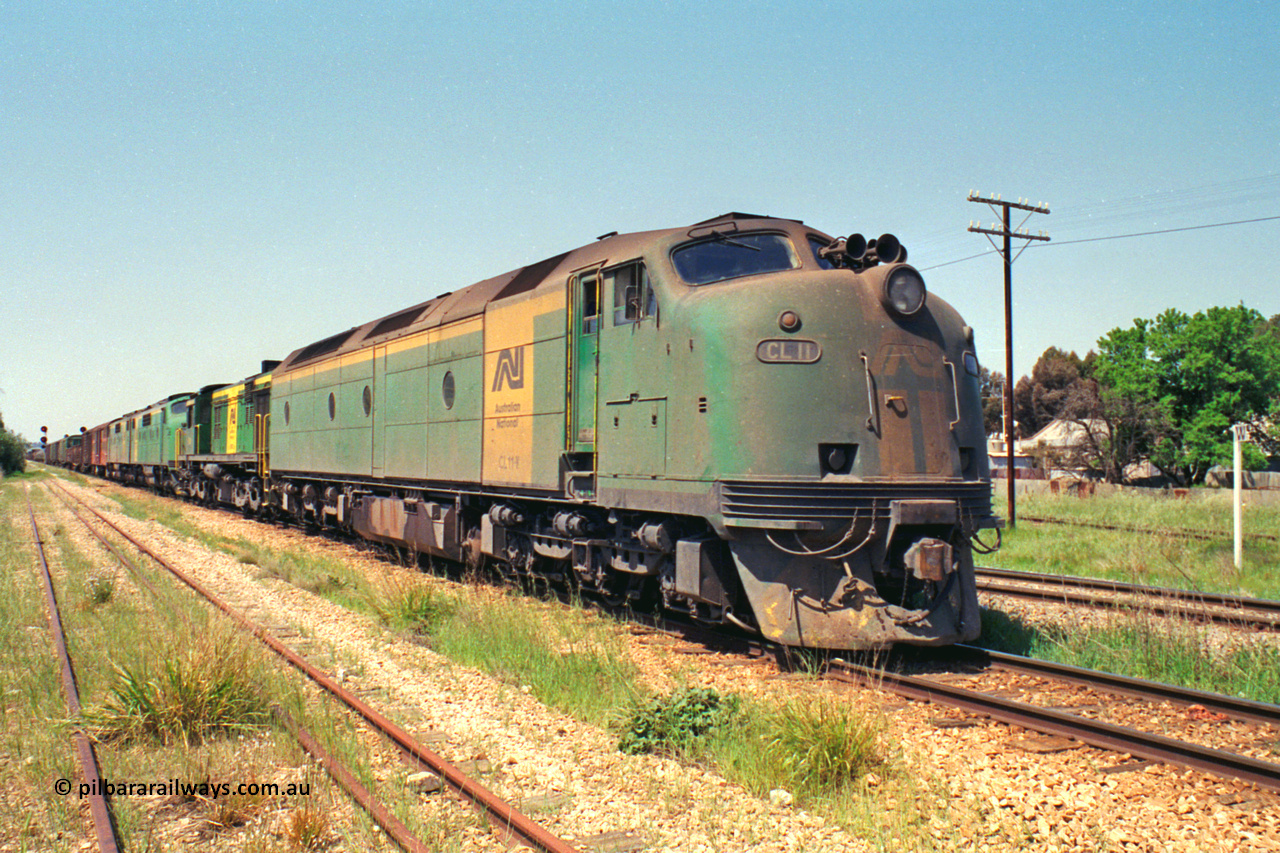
<point>584,318</point>
<point>633,377</point>
<point>585,348</point>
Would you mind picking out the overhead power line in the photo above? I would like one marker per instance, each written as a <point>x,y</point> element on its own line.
<point>1112,237</point>
<point>1167,230</point>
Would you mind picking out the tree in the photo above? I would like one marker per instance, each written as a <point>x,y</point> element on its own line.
<point>1038,399</point>
<point>991,386</point>
<point>1193,376</point>
<point>1114,430</point>
<point>12,452</point>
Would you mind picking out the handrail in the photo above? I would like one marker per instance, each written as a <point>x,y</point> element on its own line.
<point>872,411</point>
<point>955,390</point>
<point>260,443</point>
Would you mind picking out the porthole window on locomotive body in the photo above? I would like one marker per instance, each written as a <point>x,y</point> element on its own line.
<point>367,399</point>
<point>286,413</point>
<point>447,389</point>
<point>333,407</point>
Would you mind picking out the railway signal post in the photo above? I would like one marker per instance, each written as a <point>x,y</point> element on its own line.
<point>1239,433</point>
<point>1005,230</point>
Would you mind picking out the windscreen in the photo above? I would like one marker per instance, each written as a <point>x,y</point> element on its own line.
<point>726,256</point>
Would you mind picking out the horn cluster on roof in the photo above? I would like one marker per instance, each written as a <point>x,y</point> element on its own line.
<point>856,252</point>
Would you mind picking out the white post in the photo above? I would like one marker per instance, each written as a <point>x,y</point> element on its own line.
<point>1237,433</point>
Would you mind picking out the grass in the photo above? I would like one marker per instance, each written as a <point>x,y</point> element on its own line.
<point>32,711</point>
<point>813,745</point>
<point>567,659</point>
<point>1143,646</point>
<point>408,602</point>
<point>171,694</point>
<point>201,684</point>
<point>1160,559</point>
<point>307,829</point>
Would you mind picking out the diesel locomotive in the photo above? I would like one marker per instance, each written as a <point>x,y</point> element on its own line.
<point>746,420</point>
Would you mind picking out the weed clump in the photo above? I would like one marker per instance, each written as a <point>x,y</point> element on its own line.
<point>99,590</point>
<point>819,743</point>
<point>406,603</point>
<point>307,829</point>
<point>812,745</point>
<point>677,723</point>
<point>200,688</point>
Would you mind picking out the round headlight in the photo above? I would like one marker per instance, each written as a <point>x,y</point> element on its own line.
<point>904,291</point>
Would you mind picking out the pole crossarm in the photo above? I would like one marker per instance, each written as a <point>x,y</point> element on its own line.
<point>1021,235</point>
<point>1020,204</point>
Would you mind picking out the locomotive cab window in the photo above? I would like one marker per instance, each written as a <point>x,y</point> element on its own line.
<point>633,296</point>
<point>724,256</point>
<point>816,244</point>
<point>590,285</point>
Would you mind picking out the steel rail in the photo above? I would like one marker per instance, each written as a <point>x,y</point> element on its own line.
<point>1164,601</point>
<point>499,813</point>
<point>344,777</point>
<point>396,831</point>
<point>134,572</point>
<point>1182,532</point>
<point>99,810</point>
<point>1154,691</point>
<point>1121,739</point>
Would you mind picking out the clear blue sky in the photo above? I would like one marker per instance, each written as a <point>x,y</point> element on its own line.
<point>191,188</point>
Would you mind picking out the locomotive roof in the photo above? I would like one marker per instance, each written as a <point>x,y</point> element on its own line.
<point>472,300</point>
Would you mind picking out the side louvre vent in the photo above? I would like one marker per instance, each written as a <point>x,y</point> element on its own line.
<point>798,501</point>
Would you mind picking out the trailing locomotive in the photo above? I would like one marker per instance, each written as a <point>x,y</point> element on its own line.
<point>745,420</point>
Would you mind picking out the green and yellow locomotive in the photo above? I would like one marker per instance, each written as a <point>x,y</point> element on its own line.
<point>744,419</point>
<point>747,419</point>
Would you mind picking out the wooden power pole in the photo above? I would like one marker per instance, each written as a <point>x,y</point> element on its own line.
<point>1003,229</point>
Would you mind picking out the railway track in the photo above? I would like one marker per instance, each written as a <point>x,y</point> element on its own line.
<point>1179,532</point>
<point>1236,611</point>
<point>100,815</point>
<point>505,819</point>
<point>1098,733</point>
<point>1051,721</point>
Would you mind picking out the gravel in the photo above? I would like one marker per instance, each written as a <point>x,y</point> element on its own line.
<point>964,782</point>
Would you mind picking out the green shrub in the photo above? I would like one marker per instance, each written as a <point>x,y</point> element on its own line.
<point>12,453</point>
<point>677,723</point>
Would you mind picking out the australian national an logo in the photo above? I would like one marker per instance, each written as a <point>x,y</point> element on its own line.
<point>510,370</point>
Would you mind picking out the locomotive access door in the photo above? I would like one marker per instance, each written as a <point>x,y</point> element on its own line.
<point>377,435</point>
<point>584,344</point>
<point>912,392</point>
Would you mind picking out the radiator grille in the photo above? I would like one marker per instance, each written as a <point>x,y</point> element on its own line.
<point>782,500</point>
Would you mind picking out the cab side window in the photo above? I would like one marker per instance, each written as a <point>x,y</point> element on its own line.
<point>590,284</point>
<point>633,296</point>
